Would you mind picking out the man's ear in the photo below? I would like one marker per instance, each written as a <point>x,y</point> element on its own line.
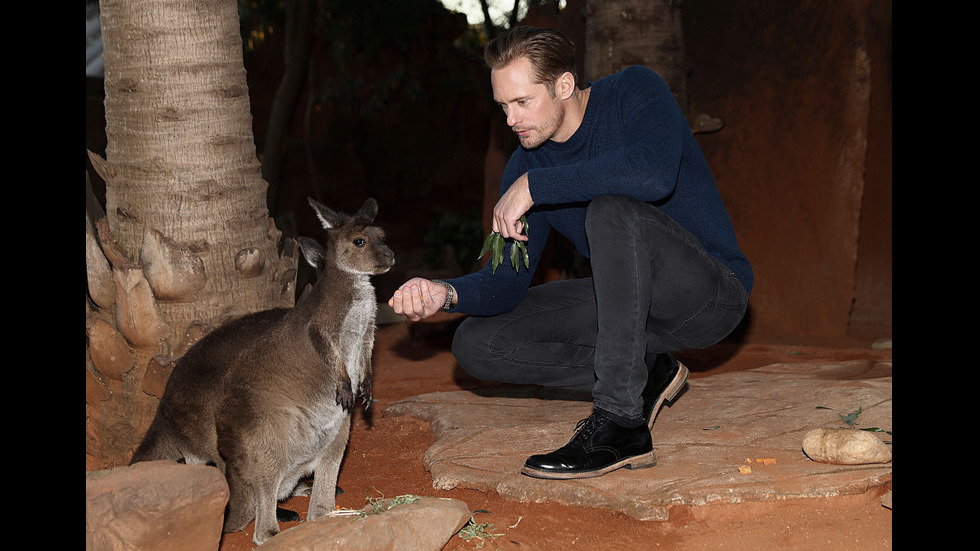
<point>566,85</point>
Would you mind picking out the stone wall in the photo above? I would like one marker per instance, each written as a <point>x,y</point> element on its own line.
<point>804,159</point>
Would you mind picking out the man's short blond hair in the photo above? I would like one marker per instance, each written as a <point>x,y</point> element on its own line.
<point>550,52</point>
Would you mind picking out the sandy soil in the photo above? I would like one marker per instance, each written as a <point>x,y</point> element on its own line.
<point>384,458</point>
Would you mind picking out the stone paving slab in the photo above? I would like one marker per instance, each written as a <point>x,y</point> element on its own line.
<point>717,424</point>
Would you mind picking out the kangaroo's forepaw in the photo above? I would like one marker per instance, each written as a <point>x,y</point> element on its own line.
<point>366,394</point>
<point>345,396</point>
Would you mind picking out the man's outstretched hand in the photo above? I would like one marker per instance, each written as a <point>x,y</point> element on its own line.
<point>418,298</point>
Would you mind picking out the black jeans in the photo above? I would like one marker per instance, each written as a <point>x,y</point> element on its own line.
<point>653,290</point>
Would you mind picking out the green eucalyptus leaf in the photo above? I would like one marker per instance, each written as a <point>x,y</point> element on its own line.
<point>486,244</point>
<point>851,418</point>
<point>495,244</point>
<point>497,254</point>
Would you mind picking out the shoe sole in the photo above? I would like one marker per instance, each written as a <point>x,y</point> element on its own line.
<point>669,393</point>
<point>641,461</point>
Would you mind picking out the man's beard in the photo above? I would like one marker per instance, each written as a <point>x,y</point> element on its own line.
<point>536,137</point>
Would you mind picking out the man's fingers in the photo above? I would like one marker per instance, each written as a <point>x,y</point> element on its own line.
<point>418,300</point>
<point>405,301</point>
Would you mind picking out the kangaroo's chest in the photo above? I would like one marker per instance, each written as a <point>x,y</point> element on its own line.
<point>357,328</point>
<point>361,313</point>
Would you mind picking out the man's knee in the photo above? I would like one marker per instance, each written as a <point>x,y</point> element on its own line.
<point>608,207</point>
<point>609,215</point>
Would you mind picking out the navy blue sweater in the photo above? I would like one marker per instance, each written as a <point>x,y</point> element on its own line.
<point>633,141</point>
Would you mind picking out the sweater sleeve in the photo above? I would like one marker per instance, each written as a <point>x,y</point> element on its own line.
<point>644,159</point>
<point>488,293</point>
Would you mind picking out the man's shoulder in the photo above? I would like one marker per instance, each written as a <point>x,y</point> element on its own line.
<point>632,84</point>
<point>634,75</point>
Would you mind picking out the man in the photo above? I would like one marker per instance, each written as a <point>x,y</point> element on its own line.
<point>614,168</point>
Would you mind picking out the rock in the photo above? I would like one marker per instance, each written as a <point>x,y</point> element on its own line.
<point>424,525</point>
<point>845,447</point>
<point>482,438</point>
<point>155,505</point>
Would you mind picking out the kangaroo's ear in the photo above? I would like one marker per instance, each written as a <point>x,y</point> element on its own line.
<point>312,251</point>
<point>368,211</point>
<point>328,217</point>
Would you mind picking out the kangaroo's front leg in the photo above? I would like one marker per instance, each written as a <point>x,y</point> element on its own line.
<point>329,353</point>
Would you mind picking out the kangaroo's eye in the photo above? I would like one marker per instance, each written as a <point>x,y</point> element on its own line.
<point>359,242</point>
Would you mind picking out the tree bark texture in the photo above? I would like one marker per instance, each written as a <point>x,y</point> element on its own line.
<point>620,33</point>
<point>187,241</point>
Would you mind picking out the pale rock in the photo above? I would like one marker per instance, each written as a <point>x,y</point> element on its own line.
<point>845,447</point>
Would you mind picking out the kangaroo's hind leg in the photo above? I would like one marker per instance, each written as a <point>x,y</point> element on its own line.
<point>266,507</point>
<point>241,502</point>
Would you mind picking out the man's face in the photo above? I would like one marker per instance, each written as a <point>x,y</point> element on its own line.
<point>531,111</point>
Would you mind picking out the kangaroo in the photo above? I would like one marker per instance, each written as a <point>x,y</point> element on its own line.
<point>268,398</point>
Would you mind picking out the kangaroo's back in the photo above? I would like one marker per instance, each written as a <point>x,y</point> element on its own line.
<point>183,428</point>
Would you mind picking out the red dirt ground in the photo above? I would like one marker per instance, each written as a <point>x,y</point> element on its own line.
<point>384,458</point>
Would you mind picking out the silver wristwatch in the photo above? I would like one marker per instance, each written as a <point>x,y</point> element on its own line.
<point>450,293</point>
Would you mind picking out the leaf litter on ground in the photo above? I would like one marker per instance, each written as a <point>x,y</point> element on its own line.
<point>482,531</point>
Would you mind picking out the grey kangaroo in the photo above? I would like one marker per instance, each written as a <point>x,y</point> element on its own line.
<point>268,398</point>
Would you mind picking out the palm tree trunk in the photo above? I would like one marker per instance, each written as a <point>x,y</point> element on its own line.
<point>620,33</point>
<point>187,239</point>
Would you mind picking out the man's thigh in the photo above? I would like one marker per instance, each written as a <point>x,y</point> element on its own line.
<point>549,339</point>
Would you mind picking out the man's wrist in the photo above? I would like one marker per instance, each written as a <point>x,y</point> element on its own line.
<point>450,293</point>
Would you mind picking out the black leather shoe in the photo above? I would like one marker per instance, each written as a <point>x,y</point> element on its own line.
<point>598,447</point>
<point>664,382</point>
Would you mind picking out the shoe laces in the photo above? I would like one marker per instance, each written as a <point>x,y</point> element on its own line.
<point>585,427</point>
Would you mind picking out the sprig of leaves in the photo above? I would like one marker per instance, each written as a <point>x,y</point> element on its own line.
<point>494,244</point>
<point>851,418</point>
<point>481,531</point>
